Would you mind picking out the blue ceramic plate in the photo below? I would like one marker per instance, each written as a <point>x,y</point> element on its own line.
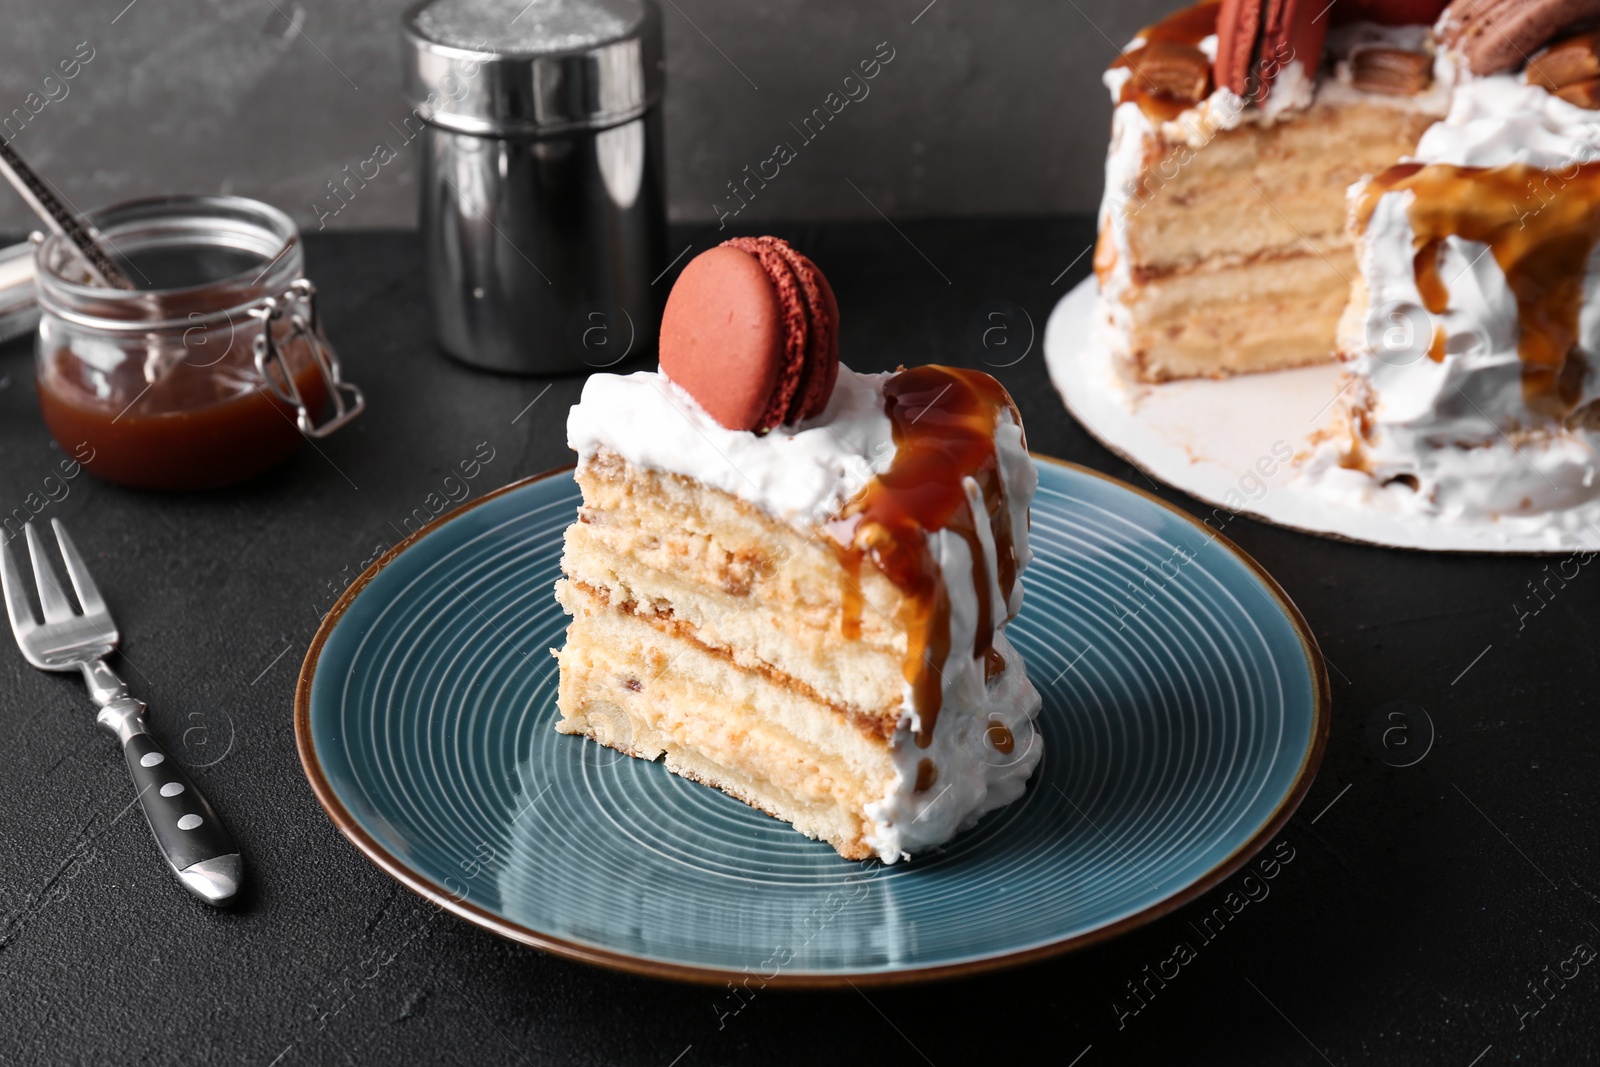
<point>1185,712</point>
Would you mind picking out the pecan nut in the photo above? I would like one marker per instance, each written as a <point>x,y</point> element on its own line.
<point>1173,69</point>
<point>1584,94</point>
<point>1391,71</point>
<point>1568,62</point>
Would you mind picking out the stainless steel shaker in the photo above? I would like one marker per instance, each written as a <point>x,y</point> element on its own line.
<point>543,210</point>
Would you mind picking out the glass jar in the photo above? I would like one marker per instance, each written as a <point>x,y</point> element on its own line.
<point>211,371</point>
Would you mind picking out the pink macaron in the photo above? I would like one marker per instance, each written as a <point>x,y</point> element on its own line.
<point>751,331</point>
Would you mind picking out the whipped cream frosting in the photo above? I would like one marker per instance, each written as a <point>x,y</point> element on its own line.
<point>1501,119</point>
<point>803,475</point>
<point>1460,428</point>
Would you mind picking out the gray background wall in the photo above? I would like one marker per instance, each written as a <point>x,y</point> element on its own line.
<point>989,106</point>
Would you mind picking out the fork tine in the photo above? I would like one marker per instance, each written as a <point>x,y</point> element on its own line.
<point>52,594</point>
<point>82,583</point>
<point>22,620</point>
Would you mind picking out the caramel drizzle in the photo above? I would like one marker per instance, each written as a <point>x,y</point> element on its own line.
<point>1180,32</point>
<point>1541,225</point>
<point>944,422</point>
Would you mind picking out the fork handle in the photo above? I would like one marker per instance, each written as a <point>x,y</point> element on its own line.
<point>195,843</point>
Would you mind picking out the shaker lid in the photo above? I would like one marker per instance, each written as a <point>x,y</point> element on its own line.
<point>532,66</point>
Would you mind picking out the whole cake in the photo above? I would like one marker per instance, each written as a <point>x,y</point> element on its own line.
<point>1428,170</point>
<point>792,581</point>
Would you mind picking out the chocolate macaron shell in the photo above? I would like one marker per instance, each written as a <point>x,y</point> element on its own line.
<point>1262,37</point>
<point>1496,36</point>
<point>1238,32</point>
<point>1292,31</point>
<point>821,369</point>
<point>723,336</point>
<point>825,375</point>
<point>794,322</point>
<point>1388,12</point>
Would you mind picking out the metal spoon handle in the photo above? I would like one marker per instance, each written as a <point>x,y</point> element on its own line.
<point>55,215</point>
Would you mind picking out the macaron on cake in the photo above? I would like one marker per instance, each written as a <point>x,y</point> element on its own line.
<point>757,575</point>
<point>758,297</point>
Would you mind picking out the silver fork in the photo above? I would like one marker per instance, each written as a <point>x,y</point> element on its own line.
<point>196,845</point>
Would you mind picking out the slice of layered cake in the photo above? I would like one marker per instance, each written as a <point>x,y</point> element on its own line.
<point>791,581</point>
<point>1474,334</point>
<point>1237,128</point>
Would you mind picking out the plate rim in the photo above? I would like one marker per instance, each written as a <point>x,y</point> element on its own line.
<point>456,904</point>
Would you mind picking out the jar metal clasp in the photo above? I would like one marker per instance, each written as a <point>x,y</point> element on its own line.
<point>298,303</point>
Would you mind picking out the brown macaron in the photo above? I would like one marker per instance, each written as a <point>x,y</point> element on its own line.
<point>751,331</point>
<point>821,370</point>
<point>1257,39</point>
<point>1389,12</point>
<point>1496,36</point>
<point>1238,33</point>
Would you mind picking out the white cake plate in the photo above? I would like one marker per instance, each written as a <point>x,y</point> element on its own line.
<point>1228,442</point>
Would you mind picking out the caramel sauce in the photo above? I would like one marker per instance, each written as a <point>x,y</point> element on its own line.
<point>1105,256</point>
<point>852,599</point>
<point>1355,457</point>
<point>944,422</point>
<point>1425,265</point>
<point>196,427</point>
<point>1176,36</point>
<point>1000,737</point>
<point>993,664</point>
<point>1541,225</point>
<point>927,774</point>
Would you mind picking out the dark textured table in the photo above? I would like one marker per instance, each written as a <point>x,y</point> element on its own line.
<point>1438,910</point>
